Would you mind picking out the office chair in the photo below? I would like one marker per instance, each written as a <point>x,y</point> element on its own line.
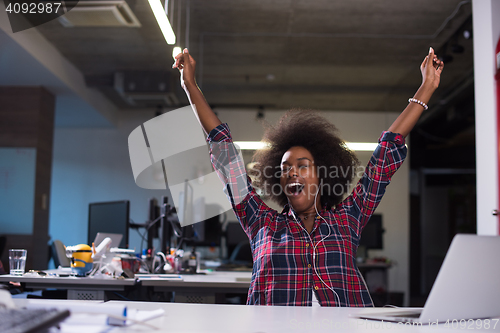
<point>59,254</point>
<point>3,242</point>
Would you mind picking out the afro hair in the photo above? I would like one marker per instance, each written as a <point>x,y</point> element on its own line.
<point>335,163</point>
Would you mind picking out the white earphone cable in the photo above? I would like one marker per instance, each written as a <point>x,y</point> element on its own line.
<point>315,246</point>
<point>329,230</point>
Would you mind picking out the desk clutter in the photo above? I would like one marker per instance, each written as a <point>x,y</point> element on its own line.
<point>166,247</point>
<point>105,261</point>
<point>102,261</point>
<point>102,272</point>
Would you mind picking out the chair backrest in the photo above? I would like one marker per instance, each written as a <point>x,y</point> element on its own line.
<point>59,254</point>
<point>3,242</point>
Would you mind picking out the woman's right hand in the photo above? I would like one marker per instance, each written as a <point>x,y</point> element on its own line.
<point>186,66</point>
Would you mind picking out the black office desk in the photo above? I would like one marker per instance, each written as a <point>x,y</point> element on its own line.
<point>196,288</point>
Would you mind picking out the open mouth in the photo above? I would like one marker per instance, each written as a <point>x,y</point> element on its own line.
<point>294,188</point>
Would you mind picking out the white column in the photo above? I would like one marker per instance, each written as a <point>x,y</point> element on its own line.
<point>486,30</point>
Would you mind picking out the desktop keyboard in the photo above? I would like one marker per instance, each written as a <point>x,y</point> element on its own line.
<point>30,320</point>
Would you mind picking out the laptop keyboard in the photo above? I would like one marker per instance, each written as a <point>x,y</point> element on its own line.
<point>30,320</point>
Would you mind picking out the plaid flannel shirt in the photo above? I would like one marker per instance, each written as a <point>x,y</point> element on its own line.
<point>283,252</point>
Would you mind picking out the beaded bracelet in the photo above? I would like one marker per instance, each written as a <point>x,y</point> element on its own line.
<point>414,100</point>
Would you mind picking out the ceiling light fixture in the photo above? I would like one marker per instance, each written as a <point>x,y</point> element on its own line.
<point>355,146</point>
<point>163,21</point>
<point>361,146</point>
<point>250,145</point>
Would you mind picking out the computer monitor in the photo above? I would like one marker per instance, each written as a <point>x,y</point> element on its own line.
<point>205,233</point>
<point>167,227</point>
<point>238,245</point>
<point>109,217</point>
<point>372,234</point>
<point>200,222</point>
<point>153,215</point>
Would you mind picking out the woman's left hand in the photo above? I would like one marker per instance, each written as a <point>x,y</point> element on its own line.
<point>431,69</point>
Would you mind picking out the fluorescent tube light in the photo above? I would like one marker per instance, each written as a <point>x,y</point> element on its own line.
<point>361,146</point>
<point>176,51</point>
<point>162,20</point>
<point>250,145</point>
<point>355,146</point>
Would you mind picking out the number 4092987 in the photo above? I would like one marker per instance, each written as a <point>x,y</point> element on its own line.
<point>33,8</point>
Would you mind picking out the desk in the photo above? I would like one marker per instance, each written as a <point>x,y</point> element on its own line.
<point>201,318</point>
<point>201,288</point>
<point>196,288</point>
<point>81,288</point>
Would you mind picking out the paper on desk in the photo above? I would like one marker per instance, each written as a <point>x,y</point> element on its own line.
<point>108,311</point>
<point>94,323</point>
<point>141,315</point>
<point>80,322</point>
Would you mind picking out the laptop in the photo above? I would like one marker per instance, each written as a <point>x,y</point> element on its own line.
<point>467,285</point>
<point>115,239</point>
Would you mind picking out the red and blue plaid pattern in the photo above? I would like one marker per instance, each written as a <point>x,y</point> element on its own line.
<point>284,272</point>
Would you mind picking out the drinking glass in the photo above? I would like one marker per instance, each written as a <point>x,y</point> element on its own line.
<point>17,261</point>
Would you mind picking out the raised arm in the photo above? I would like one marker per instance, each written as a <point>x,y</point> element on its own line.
<point>431,69</point>
<point>186,65</point>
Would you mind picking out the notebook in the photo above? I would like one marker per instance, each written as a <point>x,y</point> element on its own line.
<point>467,285</point>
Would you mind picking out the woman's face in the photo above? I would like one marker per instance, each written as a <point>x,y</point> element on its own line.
<point>299,178</point>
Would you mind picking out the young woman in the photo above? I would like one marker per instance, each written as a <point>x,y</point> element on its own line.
<point>306,254</point>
